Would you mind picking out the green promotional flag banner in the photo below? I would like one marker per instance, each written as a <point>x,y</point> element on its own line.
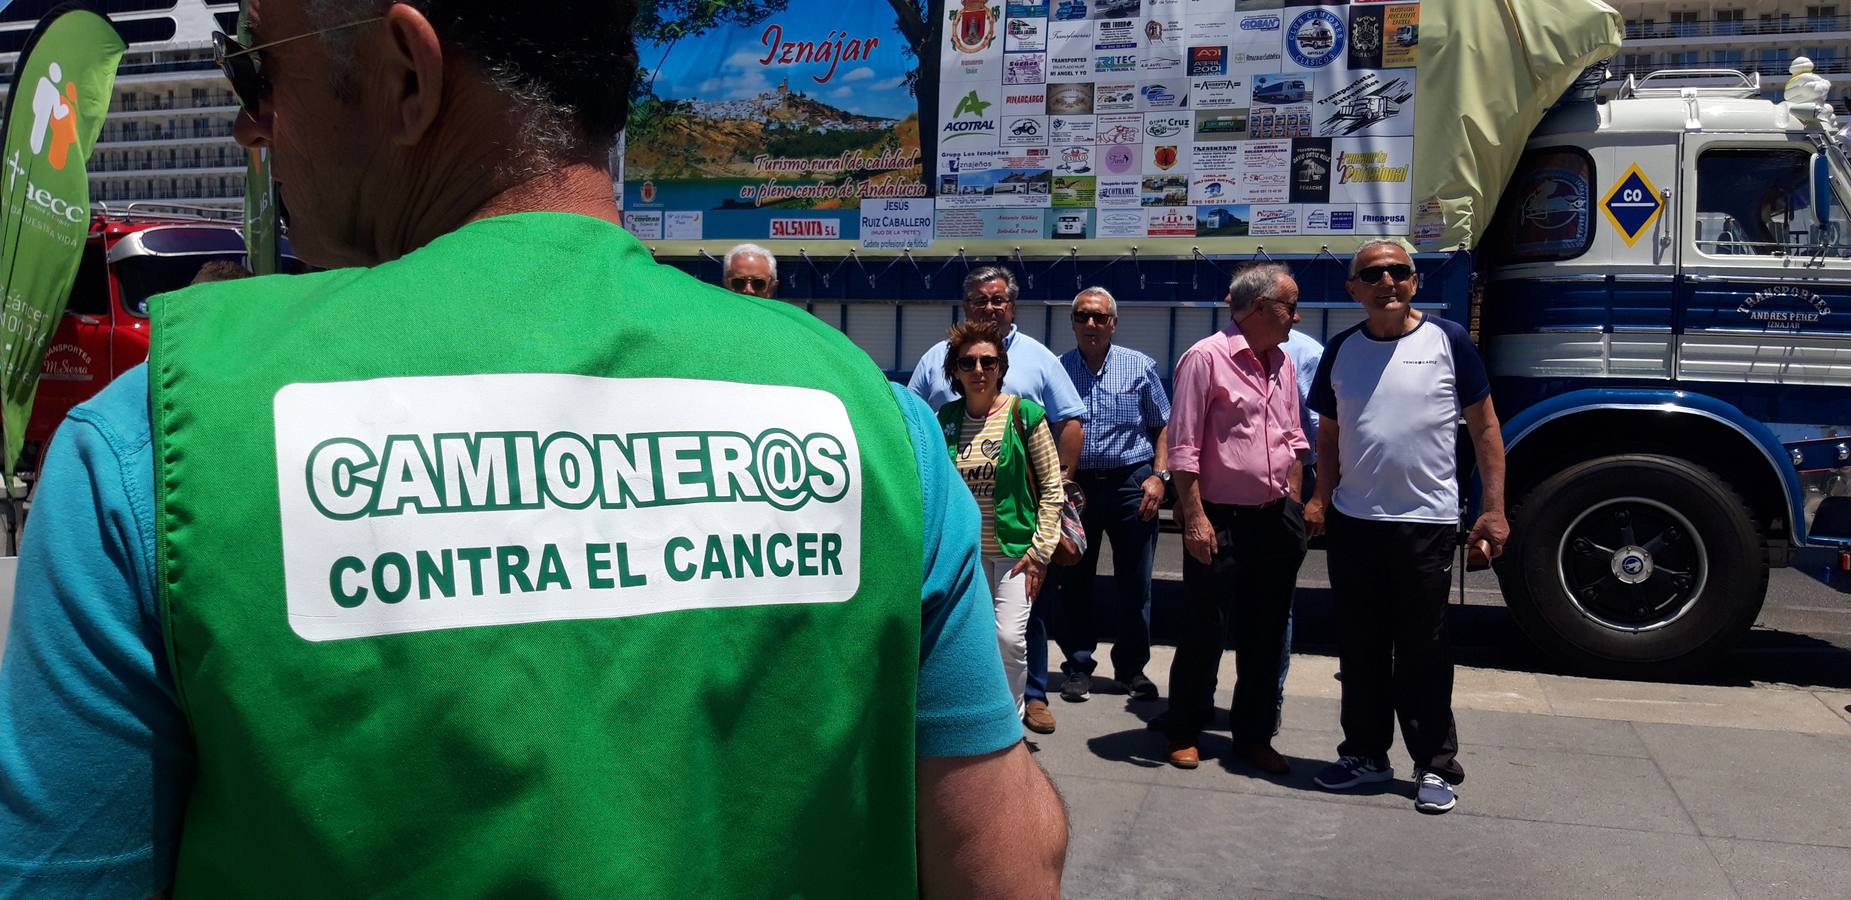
<point>260,212</point>
<point>60,94</point>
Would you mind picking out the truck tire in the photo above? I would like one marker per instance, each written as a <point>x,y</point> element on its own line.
<point>1637,565</point>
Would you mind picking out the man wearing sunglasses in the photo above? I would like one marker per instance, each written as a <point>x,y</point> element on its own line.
<point>1389,394</point>
<point>510,562</point>
<point>1123,470</point>
<point>750,270</point>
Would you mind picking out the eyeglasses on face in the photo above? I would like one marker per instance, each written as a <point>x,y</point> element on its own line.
<point>1091,318</point>
<point>241,67</point>
<point>969,363</point>
<point>982,302</point>
<point>1398,271</point>
<point>743,282</point>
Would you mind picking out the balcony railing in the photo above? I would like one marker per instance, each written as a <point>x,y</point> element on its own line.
<point>119,135</point>
<point>102,191</point>
<point>141,103</point>
<point>163,134</point>
<point>180,162</point>
<point>1638,31</point>
<point>192,65</point>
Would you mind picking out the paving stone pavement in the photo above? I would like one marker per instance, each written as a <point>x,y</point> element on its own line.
<point>1574,788</point>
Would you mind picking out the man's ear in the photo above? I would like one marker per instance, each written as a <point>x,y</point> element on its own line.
<point>411,63</point>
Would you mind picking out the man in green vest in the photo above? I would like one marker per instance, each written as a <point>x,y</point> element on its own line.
<point>501,561</point>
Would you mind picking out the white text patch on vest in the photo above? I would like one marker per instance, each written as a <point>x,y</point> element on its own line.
<point>414,504</point>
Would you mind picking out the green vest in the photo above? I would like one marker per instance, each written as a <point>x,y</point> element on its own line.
<point>1017,505</point>
<point>603,581</point>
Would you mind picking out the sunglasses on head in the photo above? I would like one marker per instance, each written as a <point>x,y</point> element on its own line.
<point>973,363</point>
<point>241,67</point>
<point>1398,271</point>
<point>1091,318</point>
<point>741,282</point>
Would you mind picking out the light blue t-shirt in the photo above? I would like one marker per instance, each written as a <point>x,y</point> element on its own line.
<point>95,755</point>
<point>1034,372</point>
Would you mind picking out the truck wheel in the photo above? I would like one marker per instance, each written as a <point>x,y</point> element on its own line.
<point>1633,564</point>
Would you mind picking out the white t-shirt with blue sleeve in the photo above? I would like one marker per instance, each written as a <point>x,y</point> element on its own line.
<point>1397,403</point>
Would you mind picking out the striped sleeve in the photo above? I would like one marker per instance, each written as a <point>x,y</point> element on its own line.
<point>1050,493</point>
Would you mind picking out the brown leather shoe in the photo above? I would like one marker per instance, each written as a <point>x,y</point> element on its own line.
<point>1038,718</point>
<point>1184,755</point>
<point>1263,757</point>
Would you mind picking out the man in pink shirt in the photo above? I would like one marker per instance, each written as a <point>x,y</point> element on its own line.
<point>1235,441</point>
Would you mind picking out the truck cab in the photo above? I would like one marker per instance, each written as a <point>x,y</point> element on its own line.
<point>1667,319</point>
<point>128,257</point>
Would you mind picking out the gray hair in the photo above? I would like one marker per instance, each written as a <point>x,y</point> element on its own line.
<point>1111,302</point>
<point>982,274</point>
<point>1357,259</point>
<point>1252,282</point>
<point>543,136</point>
<point>748,251</point>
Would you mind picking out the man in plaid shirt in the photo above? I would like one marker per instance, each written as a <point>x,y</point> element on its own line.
<point>1123,473</point>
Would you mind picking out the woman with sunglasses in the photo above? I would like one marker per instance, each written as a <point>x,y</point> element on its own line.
<point>1001,444</point>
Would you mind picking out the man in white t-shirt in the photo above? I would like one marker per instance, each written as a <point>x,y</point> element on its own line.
<point>1389,393</point>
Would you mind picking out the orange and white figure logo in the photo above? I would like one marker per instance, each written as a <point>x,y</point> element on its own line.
<point>54,113</point>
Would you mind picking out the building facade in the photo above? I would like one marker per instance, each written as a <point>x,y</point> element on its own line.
<point>166,145</point>
<point>1745,35</point>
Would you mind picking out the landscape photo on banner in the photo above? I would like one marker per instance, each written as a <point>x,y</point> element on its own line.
<point>773,119</point>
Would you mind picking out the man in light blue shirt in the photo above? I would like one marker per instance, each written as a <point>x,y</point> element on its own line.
<point>1034,371</point>
<point>990,294</point>
<point>1306,353</point>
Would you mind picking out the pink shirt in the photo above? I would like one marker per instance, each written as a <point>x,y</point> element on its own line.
<point>1235,421</point>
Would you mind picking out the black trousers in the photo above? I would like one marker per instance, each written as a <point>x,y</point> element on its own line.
<point>1246,587</point>
<point>1112,500</point>
<point>1391,581</point>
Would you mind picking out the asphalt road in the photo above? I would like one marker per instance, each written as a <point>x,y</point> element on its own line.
<point>1802,637</point>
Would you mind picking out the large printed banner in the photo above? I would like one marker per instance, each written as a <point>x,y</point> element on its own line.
<point>781,125</point>
<point>1041,123</point>
<point>1176,118</point>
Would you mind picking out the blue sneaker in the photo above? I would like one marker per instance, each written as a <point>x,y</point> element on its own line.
<point>1435,795</point>
<point>1350,771</point>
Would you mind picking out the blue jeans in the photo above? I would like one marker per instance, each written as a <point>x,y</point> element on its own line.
<point>1112,500</point>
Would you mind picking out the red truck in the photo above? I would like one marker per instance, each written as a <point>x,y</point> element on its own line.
<point>129,257</point>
